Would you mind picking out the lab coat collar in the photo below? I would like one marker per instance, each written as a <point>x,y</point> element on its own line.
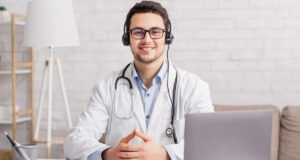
<point>158,77</point>
<point>160,101</point>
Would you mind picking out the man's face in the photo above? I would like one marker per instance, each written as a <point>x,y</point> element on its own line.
<point>147,49</point>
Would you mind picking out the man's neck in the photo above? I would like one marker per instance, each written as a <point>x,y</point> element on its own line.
<point>148,71</point>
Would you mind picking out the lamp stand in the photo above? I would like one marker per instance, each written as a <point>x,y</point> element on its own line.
<point>48,71</point>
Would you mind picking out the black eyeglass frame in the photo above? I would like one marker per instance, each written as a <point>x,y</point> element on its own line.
<point>145,31</point>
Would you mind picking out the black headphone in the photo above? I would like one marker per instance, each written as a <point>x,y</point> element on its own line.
<point>169,35</point>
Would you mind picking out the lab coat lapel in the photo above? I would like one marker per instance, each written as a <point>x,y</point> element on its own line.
<point>162,99</point>
<point>137,102</point>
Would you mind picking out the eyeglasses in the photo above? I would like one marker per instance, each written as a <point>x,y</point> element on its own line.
<point>139,33</point>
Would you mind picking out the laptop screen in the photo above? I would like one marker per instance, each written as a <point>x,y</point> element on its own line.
<point>235,135</point>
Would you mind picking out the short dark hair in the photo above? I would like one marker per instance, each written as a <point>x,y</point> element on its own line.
<point>145,7</point>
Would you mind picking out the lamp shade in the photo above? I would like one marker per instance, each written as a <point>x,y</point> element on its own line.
<point>50,23</point>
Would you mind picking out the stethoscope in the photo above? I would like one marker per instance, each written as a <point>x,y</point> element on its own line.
<point>170,131</point>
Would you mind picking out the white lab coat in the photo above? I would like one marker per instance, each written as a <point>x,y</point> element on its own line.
<point>192,96</point>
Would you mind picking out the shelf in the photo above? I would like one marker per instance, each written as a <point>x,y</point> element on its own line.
<point>19,71</point>
<point>18,120</point>
<point>54,140</point>
<point>12,20</point>
<point>17,22</point>
<point>6,18</point>
<point>21,23</point>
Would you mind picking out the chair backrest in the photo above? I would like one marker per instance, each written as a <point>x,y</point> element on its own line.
<point>289,148</point>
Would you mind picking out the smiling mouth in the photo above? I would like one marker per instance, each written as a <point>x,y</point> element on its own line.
<point>146,48</point>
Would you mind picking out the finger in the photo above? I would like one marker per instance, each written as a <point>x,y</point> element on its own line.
<point>123,147</point>
<point>143,136</point>
<point>128,155</point>
<point>128,138</point>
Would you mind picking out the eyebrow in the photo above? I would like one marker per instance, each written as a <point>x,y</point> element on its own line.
<point>155,27</point>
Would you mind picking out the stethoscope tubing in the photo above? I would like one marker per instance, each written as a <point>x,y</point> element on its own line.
<point>170,132</point>
<point>124,77</point>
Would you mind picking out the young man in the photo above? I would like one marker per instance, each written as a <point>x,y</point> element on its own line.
<point>142,108</point>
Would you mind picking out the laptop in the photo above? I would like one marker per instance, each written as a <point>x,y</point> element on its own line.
<point>234,135</point>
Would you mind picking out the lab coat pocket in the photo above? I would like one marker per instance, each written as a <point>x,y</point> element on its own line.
<point>179,129</point>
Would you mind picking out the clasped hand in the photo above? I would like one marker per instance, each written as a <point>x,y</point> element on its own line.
<point>149,150</point>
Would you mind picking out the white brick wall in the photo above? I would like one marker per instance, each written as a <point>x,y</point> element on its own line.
<point>247,50</point>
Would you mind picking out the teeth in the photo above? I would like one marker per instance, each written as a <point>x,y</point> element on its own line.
<point>146,48</point>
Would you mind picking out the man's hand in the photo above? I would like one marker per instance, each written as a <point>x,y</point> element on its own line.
<point>112,153</point>
<point>150,149</point>
<point>146,151</point>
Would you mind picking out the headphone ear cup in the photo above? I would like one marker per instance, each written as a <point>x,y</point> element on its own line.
<point>169,38</point>
<point>125,39</point>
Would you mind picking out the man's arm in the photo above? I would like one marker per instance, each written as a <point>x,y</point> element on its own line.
<point>82,140</point>
<point>97,155</point>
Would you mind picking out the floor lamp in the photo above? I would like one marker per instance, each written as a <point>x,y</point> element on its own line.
<point>50,23</point>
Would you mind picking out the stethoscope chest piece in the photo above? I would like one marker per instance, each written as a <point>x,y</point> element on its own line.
<point>169,132</point>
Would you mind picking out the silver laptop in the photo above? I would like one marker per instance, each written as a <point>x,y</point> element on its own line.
<point>237,135</point>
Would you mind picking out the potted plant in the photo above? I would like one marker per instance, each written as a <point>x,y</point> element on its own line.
<point>2,8</point>
<point>4,15</point>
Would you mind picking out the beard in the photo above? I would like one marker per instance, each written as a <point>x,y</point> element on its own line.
<point>140,59</point>
<point>147,61</point>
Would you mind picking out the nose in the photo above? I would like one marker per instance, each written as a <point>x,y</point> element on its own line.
<point>147,37</point>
